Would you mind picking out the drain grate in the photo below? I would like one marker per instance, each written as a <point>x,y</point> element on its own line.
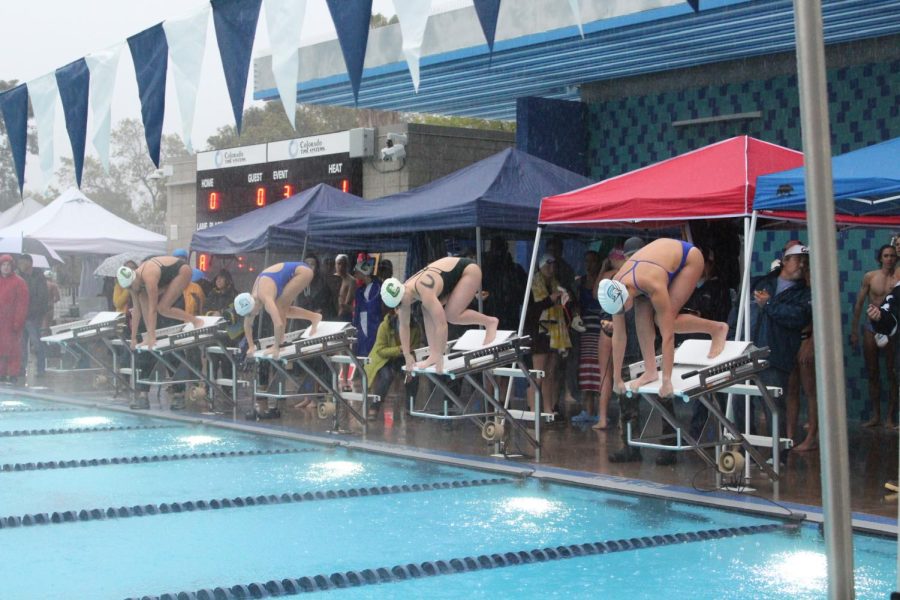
<point>321,583</point>
<point>148,458</point>
<point>146,510</point>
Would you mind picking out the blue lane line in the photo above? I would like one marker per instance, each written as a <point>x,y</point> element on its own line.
<point>68,430</point>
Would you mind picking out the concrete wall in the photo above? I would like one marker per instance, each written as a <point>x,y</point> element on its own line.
<point>181,209</point>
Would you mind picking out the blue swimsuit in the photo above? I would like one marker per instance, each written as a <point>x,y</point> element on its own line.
<point>685,249</point>
<point>282,277</point>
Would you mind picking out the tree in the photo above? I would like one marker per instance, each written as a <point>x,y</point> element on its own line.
<point>379,20</point>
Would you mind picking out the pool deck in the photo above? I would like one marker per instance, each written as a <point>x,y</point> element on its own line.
<point>576,455</point>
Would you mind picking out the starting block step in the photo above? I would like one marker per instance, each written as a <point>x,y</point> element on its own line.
<point>358,397</point>
<point>227,382</point>
<point>528,415</point>
<point>126,371</point>
<point>765,441</point>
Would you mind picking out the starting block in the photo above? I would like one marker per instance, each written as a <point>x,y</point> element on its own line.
<point>334,342</point>
<point>76,339</point>
<point>468,357</point>
<point>170,352</point>
<point>695,377</point>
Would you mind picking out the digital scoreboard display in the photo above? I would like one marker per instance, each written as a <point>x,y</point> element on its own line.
<point>235,181</point>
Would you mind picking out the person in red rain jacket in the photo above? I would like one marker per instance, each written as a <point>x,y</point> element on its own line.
<point>13,309</point>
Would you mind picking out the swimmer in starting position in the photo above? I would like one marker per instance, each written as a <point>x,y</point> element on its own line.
<point>445,288</point>
<point>154,287</point>
<point>276,288</point>
<point>657,280</point>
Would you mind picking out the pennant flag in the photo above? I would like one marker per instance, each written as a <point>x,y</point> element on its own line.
<point>351,20</point>
<point>235,22</point>
<point>187,42</point>
<point>102,66</point>
<point>14,105</point>
<point>413,16</point>
<point>695,4</point>
<point>487,11</point>
<point>150,52</point>
<point>576,10</point>
<point>43,94</point>
<point>285,21</point>
<point>74,81</point>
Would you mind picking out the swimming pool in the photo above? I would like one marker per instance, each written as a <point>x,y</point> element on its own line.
<point>190,511</point>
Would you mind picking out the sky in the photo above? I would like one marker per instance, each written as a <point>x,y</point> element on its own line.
<point>39,36</point>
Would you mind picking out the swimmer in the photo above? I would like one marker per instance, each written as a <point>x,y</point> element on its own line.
<point>154,287</point>
<point>445,288</point>
<point>657,281</point>
<point>276,288</point>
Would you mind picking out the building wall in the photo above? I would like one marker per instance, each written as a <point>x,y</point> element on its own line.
<point>181,209</point>
<point>631,125</point>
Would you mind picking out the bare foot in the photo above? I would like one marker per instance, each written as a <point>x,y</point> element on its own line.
<point>198,322</point>
<point>303,403</point>
<point>718,340</point>
<point>873,422</point>
<point>314,324</point>
<point>808,445</point>
<point>648,377</point>
<point>491,331</point>
<point>601,425</point>
<point>430,362</point>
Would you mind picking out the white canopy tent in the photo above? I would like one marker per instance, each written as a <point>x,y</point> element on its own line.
<point>74,224</point>
<point>20,210</point>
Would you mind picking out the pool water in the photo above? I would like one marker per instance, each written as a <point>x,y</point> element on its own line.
<point>295,510</point>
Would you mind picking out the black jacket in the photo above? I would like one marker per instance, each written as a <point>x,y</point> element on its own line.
<point>890,313</point>
<point>780,322</point>
<point>38,295</point>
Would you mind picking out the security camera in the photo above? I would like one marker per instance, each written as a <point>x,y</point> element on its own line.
<point>393,152</point>
<point>397,138</point>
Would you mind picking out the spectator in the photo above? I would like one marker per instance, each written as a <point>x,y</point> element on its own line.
<point>386,360</point>
<point>568,361</point>
<point>194,300</point>
<point>367,310</point>
<point>220,303</point>
<point>332,280</point>
<point>385,269</point>
<point>317,295</point>
<point>876,285</point>
<point>53,297</point>
<point>38,305</point>
<point>611,266</point>
<point>590,379</point>
<point>504,281</point>
<point>783,310</point>
<point>347,289</point>
<point>221,296</point>
<point>13,312</point>
<point>549,333</point>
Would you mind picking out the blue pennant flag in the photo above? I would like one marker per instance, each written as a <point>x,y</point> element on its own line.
<point>487,15</point>
<point>695,4</point>
<point>235,22</point>
<point>150,55</point>
<point>14,105</point>
<point>74,84</point>
<point>351,20</point>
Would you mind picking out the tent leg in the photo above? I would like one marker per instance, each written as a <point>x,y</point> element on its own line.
<point>478,259</point>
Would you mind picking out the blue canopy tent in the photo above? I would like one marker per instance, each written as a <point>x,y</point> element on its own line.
<point>252,231</point>
<point>866,183</point>
<point>501,192</point>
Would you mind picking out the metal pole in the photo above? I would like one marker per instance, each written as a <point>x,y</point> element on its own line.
<point>534,258</point>
<point>478,259</point>
<point>825,298</point>
<point>259,319</point>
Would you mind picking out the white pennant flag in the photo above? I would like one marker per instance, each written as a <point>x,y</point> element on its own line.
<point>186,38</point>
<point>102,67</point>
<point>413,16</point>
<point>43,93</point>
<point>576,10</point>
<point>284,19</point>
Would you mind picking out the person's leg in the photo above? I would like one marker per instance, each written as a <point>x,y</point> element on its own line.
<point>175,289</point>
<point>457,309</point>
<point>808,382</point>
<point>33,330</point>
<point>792,401</point>
<point>870,354</point>
<point>889,352</point>
<point>606,378</point>
<point>680,290</point>
<point>646,333</point>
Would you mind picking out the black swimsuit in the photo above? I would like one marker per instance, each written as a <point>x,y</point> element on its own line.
<point>451,277</point>
<point>168,272</point>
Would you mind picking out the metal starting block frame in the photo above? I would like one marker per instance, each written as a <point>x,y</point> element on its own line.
<point>170,352</point>
<point>463,362</point>
<point>73,338</point>
<point>739,375</point>
<point>333,343</point>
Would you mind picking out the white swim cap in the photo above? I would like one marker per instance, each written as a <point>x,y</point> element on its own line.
<point>125,277</point>
<point>244,304</point>
<point>612,296</point>
<point>392,291</point>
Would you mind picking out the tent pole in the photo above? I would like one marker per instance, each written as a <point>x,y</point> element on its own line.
<point>478,259</point>
<point>742,329</point>
<point>305,242</point>
<point>826,297</point>
<point>537,243</point>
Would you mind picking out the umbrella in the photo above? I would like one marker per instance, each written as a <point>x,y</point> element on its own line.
<point>25,245</point>
<point>109,266</point>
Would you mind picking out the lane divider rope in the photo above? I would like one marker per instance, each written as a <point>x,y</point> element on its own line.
<point>37,409</point>
<point>339,580</point>
<point>65,431</point>
<point>146,510</point>
<point>150,458</point>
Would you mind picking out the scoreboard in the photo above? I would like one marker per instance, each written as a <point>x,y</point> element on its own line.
<point>235,181</point>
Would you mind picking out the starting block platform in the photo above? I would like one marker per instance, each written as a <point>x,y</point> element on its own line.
<point>468,357</point>
<point>170,351</point>
<point>334,342</point>
<point>695,377</point>
<point>79,340</point>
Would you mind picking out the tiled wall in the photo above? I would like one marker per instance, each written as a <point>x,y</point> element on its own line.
<point>864,102</point>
